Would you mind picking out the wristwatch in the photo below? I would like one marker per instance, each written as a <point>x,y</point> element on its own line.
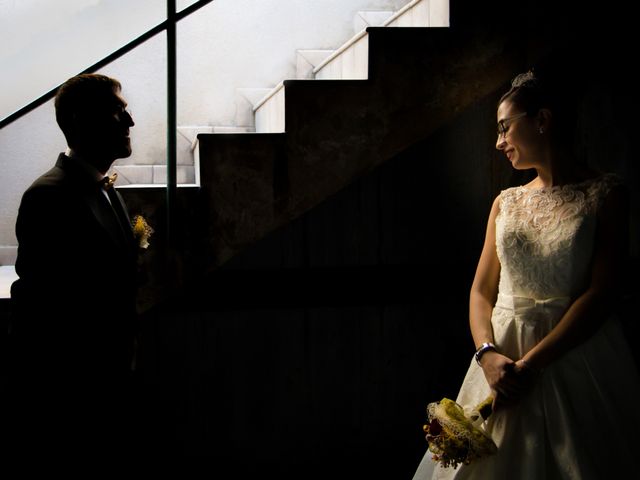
<point>485,347</point>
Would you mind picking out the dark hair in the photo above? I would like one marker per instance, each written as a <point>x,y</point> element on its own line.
<point>81,95</point>
<point>531,92</point>
<point>528,93</point>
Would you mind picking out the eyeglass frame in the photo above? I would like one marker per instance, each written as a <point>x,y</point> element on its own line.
<point>121,110</point>
<point>503,129</point>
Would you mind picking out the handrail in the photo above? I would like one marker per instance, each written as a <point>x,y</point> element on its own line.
<point>106,60</point>
<point>172,125</point>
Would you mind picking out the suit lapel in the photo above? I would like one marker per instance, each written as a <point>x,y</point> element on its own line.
<point>119,208</point>
<point>113,217</point>
<point>106,216</point>
<point>118,205</point>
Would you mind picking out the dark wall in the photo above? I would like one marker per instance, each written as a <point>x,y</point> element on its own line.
<point>314,353</point>
<point>317,349</point>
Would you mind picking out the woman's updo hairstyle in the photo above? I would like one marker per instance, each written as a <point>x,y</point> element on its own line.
<point>531,92</point>
<point>528,93</point>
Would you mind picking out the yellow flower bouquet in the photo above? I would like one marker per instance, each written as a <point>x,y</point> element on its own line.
<point>455,438</point>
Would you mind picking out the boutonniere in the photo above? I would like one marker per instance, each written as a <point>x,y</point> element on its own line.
<point>141,231</point>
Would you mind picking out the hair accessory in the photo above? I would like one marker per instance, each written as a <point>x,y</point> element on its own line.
<point>525,79</point>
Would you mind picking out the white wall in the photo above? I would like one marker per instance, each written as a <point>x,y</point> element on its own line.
<point>228,44</point>
<point>43,42</point>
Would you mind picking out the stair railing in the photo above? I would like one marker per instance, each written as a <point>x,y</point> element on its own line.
<point>169,25</point>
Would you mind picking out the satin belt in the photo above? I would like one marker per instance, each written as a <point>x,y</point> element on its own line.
<point>518,303</point>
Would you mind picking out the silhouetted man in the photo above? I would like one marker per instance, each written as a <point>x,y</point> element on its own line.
<point>74,302</point>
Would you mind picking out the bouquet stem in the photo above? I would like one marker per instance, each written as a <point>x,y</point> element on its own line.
<point>482,411</point>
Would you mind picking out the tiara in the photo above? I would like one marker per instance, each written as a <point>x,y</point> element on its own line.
<point>525,79</point>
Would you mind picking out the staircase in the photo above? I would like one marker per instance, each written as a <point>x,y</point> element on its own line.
<point>261,109</point>
<point>381,92</point>
<point>351,60</point>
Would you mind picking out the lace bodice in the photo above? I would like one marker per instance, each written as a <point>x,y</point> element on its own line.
<point>544,237</point>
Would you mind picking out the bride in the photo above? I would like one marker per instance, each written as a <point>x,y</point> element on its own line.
<point>549,349</point>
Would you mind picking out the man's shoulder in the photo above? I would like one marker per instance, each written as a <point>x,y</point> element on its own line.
<point>55,178</point>
<point>52,185</point>
<point>51,178</point>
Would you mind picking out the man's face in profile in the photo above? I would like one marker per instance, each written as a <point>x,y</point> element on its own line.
<point>104,128</point>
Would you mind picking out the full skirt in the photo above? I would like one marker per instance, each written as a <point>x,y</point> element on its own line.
<point>580,421</point>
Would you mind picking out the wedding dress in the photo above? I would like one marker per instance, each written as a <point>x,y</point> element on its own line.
<point>581,420</point>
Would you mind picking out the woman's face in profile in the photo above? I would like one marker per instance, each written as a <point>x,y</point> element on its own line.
<point>518,136</point>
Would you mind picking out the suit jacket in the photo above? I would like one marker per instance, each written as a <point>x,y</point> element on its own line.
<point>74,312</point>
<point>75,297</point>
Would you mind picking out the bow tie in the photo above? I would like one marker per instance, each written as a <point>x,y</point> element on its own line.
<point>108,181</point>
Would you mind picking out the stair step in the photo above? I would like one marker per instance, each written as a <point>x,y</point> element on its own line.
<point>242,173</point>
<point>270,111</point>
<point>153,175</point>
<point>246,101</point>
<point>308,60</point>
<point>185,175</point>
<point>421,13</point>
<point>370,18</point>
<point>351,60</point>
<point>7,277</point>
<point>190,133</point>
<point>8,254</point>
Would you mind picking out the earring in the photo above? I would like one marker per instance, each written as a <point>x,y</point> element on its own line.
<point>541,130</point>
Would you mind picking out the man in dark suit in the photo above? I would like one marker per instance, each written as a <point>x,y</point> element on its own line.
<point>74,302</point>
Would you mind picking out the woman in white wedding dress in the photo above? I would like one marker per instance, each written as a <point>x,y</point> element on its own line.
<point>550,349</point>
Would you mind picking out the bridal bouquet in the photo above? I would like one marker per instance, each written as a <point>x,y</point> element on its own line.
<point>455,438</point>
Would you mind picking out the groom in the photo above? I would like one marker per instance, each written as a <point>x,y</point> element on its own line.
<point>74,302</point>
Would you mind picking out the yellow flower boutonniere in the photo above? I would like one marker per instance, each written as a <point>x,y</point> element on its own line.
<point>141,231</point>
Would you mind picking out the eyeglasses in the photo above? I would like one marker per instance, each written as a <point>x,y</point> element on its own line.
<point>122,111</point>
<point>505,123</point>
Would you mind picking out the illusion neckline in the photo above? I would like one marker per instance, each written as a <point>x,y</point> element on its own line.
<point>566,186</point>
